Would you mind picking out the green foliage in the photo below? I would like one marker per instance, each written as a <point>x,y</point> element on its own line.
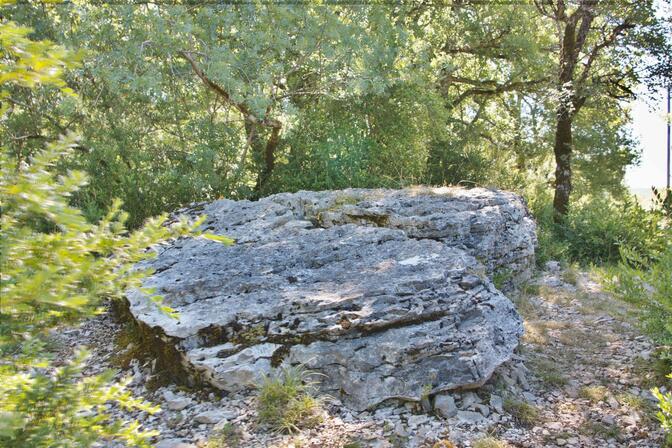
<point>361,95</point>
<point>649,288</point>
<point>525,413</point>
<point>227,437</point>
<point>662,201</point>
<point>58,407</point>
<point>285,402</point>
<point>55,264</point>
<point>490,442</point>
<point>665,412</point>
<point>30,63</point>
<point>595,231</point>
<point>56,268</point>
<point>645,280</point>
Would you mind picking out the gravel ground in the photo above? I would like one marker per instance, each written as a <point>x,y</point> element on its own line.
<point>578,380</point>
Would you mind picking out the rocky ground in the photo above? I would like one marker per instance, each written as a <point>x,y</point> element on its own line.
<point>578,380</point>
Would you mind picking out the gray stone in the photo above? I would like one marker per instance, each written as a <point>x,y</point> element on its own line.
<point>385,292</point>
<point>175,402</point>
<point>608,419</point>
<point>210,417</point>
<point>497,403</point>
<point>552,266</point>
<point>483,409</point>
<point>468,399</point>
<point>445,405</point>
<point>417,420</point>
<point>174,443</point>
<point>470,417</point>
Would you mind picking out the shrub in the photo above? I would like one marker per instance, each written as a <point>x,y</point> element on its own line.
<point>593,394</point>
<point>56,268</point>
<point>596,230</point>
<point>286,402</point>
<point>648,288</point>
<point>665,412</point>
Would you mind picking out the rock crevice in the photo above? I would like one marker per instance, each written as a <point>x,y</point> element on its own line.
<point>385,292</point>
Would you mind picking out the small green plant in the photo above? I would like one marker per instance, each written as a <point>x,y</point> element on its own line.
<point>594,394</point>
<point>227,437</point>
<point>570,274</point>
<point>490,442</point>
<point>665,410</point>
<point>286,401</point>
<point>635,403</point>
<point>353,444</point>
<point>502,278</point>
<point>598,429</point>
<point>548,373</point>
<point>525,413</point>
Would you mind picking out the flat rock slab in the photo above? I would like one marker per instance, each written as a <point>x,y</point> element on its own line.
<point>385,292</point>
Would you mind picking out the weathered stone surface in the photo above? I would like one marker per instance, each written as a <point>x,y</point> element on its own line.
<point>383,291</point>
<point>444,405</point>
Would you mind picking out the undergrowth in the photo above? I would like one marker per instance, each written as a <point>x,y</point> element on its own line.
<point>286,402</point>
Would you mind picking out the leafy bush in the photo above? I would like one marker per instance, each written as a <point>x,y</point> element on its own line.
<point>56,268</point>
<point>665,413</point>
<point>59,407</point>
<point>649,288</point>
<point>595,230</point>
<point>286,402</point>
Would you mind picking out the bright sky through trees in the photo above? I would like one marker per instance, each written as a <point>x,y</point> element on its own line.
<point>649,127</point>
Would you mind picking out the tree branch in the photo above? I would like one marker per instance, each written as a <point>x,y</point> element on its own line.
<point>488,87</point>
<point>219,90</point>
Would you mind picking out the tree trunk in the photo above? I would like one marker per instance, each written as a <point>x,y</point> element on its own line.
<point>563,159</point>
<point>268,159</point>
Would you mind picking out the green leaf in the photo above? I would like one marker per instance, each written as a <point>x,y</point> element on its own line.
<point>219,238</point>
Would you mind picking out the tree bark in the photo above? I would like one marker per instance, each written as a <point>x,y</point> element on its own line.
<point>574,33</point>
<point>563,164</point>
<point>268,159</point>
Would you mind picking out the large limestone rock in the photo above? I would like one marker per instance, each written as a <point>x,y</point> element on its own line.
<point>385,292</point>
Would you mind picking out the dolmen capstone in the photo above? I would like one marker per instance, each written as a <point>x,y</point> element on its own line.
<point>387,293</point>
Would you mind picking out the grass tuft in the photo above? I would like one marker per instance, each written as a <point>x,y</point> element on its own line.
<point>227,437</point>
<point>600,430</point>
<point>525,413</point>
<point>548,372</point>
<point>594,394</point>
<point>490,442</point>
<point>286,402</point>
<point>570,274</point>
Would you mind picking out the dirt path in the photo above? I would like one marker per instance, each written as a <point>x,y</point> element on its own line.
<point>590,368</point>
<point>580,379</point>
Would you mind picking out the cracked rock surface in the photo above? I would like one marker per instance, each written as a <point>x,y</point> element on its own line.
<point>385,292</point>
